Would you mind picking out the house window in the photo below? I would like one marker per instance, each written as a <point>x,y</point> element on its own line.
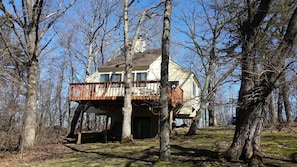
<point>104,77</point>
<point>116,78</point>
<point>141,77</point>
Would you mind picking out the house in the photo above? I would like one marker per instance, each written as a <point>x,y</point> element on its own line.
<point>104,92</point>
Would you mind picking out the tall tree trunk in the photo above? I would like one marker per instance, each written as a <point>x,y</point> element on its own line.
<point>165,153</point>
<point>79,109</point>
<point>249,116</point>
<point>280,107</point>
<point>247,138</point>
<point>80,127</point>
<point>59,94</point>
<point>28,137</point>
<point>285,93</point>
<point>195,124</point>
<point>127,109</point>
<point>69,120</point>
<point>212,120</point>
<point>271,109</point>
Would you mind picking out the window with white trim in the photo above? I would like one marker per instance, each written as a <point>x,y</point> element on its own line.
<point>141,77</point>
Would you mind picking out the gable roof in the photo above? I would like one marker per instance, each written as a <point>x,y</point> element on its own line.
<point>141,61</point>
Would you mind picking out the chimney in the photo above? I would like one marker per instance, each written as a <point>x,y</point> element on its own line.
<point>139,45</point>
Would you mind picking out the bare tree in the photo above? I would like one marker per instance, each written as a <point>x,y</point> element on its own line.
<point>96,26</point>
<point>127,109</point>
<point>206,47</point>
<point>165,153</point>
<point>257,84</point>
<point>30,22</point>
<point>280,107</point>
<point>129,50</point>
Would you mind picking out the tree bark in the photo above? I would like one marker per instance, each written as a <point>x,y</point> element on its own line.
<point>280,107</point>
<point>165,153</point>
<point>29,131</point>
<point>285,94</point>
<point>80,126</point>
<point>80,108</point>
<point>271,109</point>
<point>212,120</point>
<point>195,124</point>
<point>127,109</point>
<point>247,138</point>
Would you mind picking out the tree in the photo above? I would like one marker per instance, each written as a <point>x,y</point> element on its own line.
<point>129,50</point>
<point>164,115</point>
<point>207,48</point>
<point>11,105</point>
<point>212,120</point>
<point>34,21</point>
<point>96,28</point>
<point>257,83</point>
<point>127,109</point>
<point>270,110</point>
<point>284,98</point>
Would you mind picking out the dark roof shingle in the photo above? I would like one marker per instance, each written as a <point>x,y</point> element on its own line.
<point>139,59</point>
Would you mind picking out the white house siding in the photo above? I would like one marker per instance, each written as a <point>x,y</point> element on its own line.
<point>154,72</point>
<point>95,77</point>
<point>186,80</point>
<point>195,100</point>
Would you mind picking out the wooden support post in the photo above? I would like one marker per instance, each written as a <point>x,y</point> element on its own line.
<point>170,119</point>
<point>105,130</point>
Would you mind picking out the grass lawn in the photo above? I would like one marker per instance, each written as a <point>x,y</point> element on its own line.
<point>203,149</point>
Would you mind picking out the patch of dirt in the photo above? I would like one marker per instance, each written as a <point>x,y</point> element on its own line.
<point>34,156</point>
<point>180,131</point>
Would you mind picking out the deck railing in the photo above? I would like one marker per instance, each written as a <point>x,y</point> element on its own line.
<point>141,90</point>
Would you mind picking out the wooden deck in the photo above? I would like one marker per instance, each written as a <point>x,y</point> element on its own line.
<point>101,91</point>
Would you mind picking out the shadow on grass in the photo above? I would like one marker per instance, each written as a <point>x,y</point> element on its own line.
<point>149,156</point>
<point>146,158</point>
<point>195,155</point>
<point>294,157</point>
<point>271,162</point>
